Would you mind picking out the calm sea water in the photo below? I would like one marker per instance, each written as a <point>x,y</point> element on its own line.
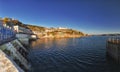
<point>86,54</point>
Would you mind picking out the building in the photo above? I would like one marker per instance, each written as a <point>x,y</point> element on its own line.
<point>49,30</point>
<point>61,28</point>
<point>19,29</point>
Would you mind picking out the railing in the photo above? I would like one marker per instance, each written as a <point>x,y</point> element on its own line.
<point>6,35</point>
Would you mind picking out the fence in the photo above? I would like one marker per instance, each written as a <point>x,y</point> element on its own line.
<point>6,34</point>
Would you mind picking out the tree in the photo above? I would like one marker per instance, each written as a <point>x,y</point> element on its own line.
<point>6,20</point>
<point>16,22</point>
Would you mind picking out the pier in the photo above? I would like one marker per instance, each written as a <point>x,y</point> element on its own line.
<point>113,48</point>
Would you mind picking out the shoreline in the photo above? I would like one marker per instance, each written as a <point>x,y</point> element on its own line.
<point>60,37</point>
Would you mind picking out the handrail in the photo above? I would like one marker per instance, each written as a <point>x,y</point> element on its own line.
<point>6,35</point>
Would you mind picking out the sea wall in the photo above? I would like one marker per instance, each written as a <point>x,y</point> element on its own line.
<point>113,49</point>
<point>7,64</point>
<point>15,54</point>
<point>25,38</point>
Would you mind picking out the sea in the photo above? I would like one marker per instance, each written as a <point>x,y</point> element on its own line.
<point>84,54</point>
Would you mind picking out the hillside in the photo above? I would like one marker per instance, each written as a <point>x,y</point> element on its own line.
<point>47,32</point>
<point>35,28</point>
<point>54,32</point>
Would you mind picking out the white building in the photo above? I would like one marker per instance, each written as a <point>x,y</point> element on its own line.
<point>61,28</point>
<point>20,29</point>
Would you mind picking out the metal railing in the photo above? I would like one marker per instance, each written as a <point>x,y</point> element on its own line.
<point>6,34</point>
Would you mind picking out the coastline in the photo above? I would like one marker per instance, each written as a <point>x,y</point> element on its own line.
<point>61,36</point>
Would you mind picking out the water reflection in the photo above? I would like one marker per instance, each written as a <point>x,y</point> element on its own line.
<point>87,54</point>
<point>50,42</point>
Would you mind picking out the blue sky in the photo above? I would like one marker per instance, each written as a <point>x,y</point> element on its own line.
<point>89,16</point>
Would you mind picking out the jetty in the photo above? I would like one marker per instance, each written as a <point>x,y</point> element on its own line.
<point>113,48</point>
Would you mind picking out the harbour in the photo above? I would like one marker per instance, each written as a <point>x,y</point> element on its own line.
<point>86,54</point>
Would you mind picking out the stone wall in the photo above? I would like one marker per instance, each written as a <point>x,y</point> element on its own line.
<point>7,64</point>
<point>15,53</point>
<point>113,49</point>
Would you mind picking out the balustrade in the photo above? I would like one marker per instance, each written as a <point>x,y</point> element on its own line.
<point>6,34</point>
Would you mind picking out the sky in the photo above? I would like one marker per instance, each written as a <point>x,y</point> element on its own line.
<point>88,16</point>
